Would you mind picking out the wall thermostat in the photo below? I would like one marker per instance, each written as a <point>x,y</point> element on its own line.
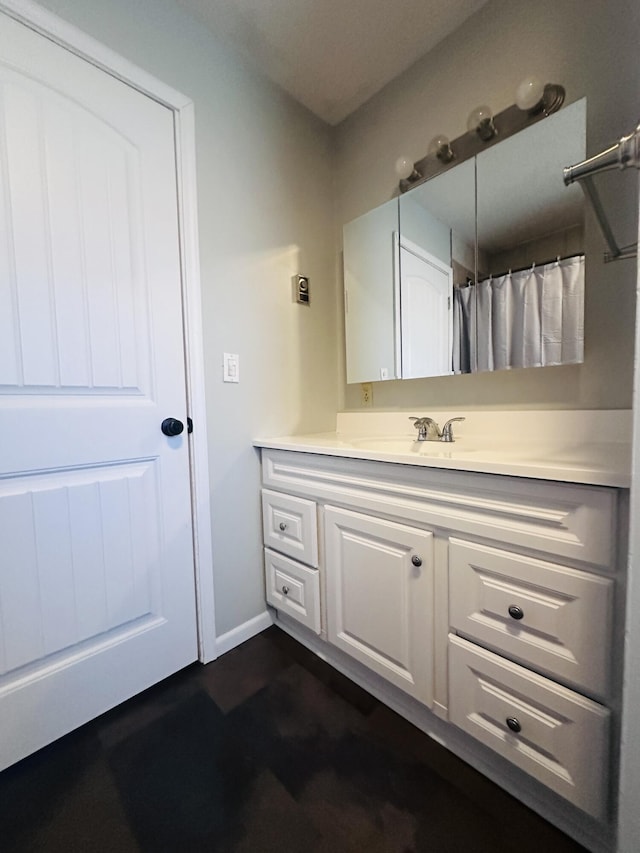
<point>301,289</point>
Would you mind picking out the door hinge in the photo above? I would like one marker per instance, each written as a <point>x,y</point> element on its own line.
<point>189,426</point>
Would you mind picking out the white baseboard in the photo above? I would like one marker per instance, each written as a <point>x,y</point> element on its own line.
<point>236,636</point>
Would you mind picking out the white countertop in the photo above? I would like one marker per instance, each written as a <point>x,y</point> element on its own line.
<point>606,463</point>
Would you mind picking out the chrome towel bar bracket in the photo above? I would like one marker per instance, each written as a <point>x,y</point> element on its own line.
<point>624,154</point>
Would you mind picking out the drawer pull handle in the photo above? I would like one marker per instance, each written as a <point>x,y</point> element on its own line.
<point>285,590</point>
<point>516,612</point>
<point>514,724</point>
<point>282,526</point>
<point>417,561</point>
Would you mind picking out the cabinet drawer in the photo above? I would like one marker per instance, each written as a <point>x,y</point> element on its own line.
<point>293,589</point>
<point>561,622</point>
<point>290,526</point>
<point>554,734</point>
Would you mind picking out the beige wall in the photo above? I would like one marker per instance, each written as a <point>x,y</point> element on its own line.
<point>591,48</point>
<point>264,193</point>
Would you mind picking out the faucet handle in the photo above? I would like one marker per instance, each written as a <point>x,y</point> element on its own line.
<point>420,425</point>
<point>428,429</point>
<point>447,429</point>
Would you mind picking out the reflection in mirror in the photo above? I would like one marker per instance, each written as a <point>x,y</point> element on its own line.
<point>436,254</point>
<point>370,311</point>
<point>529,299</point>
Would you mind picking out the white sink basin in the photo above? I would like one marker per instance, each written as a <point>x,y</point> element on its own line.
<point>407,445</point>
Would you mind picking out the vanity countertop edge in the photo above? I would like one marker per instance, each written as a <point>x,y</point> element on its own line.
<point>587,463</point>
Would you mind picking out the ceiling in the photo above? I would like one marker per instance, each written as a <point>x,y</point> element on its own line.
<point>332,55</point>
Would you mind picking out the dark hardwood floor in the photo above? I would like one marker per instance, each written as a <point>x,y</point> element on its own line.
<point>267,749</point>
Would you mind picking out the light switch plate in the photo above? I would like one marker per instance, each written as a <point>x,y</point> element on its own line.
<point>231,367</point>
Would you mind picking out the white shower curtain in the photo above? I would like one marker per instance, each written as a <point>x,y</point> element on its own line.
<point>464,330</point>
<point>529,318</point>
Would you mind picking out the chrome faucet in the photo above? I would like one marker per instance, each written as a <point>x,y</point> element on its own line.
<point>447,429</point>
<point>428,429</point>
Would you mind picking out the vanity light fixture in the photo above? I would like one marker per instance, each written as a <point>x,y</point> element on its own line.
<point>481,120</point>
<point>440,148</point>
<point>534,101</point>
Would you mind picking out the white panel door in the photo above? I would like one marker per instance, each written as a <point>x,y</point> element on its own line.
<point>426,289</point>
<point>380,579</point>
<point>96,566</point>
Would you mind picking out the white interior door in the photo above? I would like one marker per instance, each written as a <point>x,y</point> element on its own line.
<point>426,291</point>
<point>97,594</point>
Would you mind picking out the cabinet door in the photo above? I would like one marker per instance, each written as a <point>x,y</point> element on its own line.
<point>380,597</point>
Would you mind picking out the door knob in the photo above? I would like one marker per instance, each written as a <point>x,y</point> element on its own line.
<point>171,426</point>
<point>417,562</point>
<point>516,612</point>
<point>514,724</point>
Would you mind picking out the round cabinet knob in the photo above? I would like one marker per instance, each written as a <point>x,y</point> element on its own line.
<point>516,612</point>
<point>171,426</point>
<point>282,526</point>
<point>285,590</point>
<point>417,561</point>
<point>514,724</point>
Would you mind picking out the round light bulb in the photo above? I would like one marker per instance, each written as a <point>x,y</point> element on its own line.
<point>439,147</point>
<point>404,167</point>
<point>478,117</point>
<point>529,93</point>
<point>438,142</point>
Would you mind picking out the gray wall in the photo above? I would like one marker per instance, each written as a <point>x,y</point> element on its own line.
<point>591,48</point>
<point>264,194</point>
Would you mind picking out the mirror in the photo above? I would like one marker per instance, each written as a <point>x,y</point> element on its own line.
<point>530,291</point>
<point>439,283</point>
<point>370,261</point>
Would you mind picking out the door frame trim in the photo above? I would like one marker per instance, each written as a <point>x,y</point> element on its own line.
<point>86,47</point>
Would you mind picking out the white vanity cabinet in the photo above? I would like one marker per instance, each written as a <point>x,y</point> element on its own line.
<point>488,599</point>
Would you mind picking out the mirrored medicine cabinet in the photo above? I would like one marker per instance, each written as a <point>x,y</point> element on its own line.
<point>479,268</point>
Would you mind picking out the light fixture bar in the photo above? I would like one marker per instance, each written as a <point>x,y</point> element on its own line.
<point>508,122</point>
